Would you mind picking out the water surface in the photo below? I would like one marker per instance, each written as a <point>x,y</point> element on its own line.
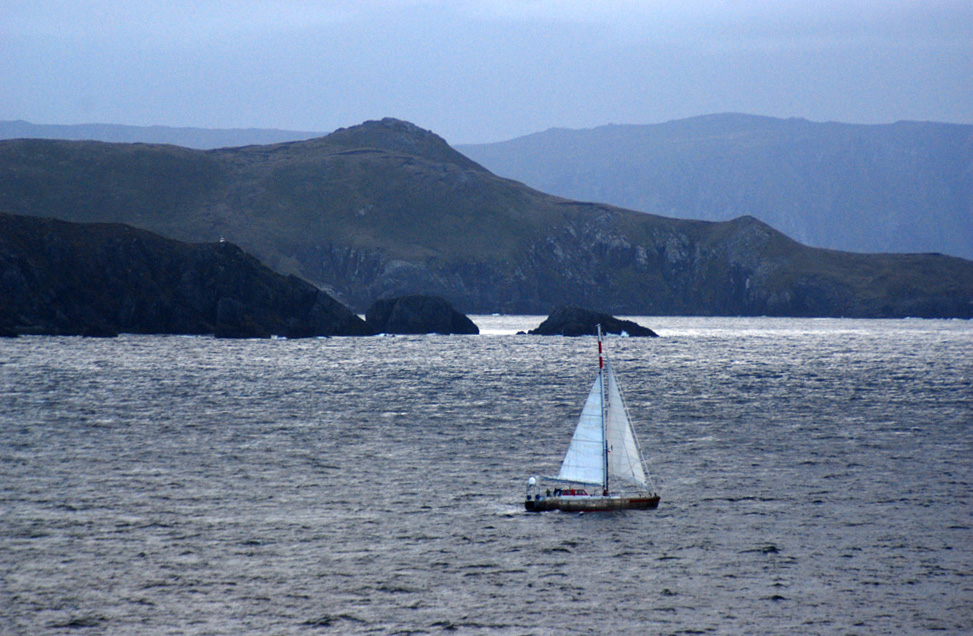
<point>816,479</point>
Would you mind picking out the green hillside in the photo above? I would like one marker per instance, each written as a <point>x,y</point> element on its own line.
<point>386,209</point>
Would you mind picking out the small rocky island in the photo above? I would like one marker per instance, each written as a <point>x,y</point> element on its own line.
<point>418,315</point>
<point>576,321</point>
<point>101,279</point>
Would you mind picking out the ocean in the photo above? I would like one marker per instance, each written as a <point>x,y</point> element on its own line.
<point>816,478</point>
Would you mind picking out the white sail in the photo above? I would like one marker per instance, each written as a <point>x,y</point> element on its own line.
<point>624,457</point>
<point>585,460</point>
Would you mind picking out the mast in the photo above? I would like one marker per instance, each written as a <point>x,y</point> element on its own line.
<point>604,412</point>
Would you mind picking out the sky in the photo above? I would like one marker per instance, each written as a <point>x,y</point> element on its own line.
<point>482,70</point>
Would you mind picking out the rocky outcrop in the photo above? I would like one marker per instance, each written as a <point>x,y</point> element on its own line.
<point>100,280</point>
<point>576,321</point>
<point>417,315</point>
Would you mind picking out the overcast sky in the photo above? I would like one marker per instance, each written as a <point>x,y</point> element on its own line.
<point>483,70</point>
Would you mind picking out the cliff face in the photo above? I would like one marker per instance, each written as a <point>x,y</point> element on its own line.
<point>742,267</point>
<point>387,209</point>
<point>96,279</point>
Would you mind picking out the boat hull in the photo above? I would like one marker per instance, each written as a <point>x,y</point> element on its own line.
<point>591,504</point>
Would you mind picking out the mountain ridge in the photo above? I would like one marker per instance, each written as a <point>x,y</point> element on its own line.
<point>189,137</point>
<point>902,187</point>
<point>360,215</point>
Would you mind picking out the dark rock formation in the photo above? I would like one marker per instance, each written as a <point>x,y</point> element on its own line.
<point>575,321</point>
<point>417,315</point>
<point>100,280</point>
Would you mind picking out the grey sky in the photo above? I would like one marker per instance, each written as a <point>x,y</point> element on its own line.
<point>484,70</point>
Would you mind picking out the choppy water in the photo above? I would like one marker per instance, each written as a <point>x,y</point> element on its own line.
<point>816,479</point>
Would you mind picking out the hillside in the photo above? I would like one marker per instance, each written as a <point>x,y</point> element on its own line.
<point>103,279</point>
<point>904,187</point>
<point>387,209</point>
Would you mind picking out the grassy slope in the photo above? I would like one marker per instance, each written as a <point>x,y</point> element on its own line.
<point>391,189</point>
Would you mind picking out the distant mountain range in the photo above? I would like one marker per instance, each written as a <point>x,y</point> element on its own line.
<point>199,138</point>
<point>903,187</point>
<point>388,209</point>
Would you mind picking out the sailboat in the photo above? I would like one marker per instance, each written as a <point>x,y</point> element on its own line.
<point>603,468</point>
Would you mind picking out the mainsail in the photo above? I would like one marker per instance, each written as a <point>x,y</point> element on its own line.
<point>603,428</point>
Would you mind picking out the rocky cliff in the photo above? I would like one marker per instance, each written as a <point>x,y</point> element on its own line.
<point>104,279</point>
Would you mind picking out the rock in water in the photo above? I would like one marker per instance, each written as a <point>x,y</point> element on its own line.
<point>417,315</point>
<point>576,321</point>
